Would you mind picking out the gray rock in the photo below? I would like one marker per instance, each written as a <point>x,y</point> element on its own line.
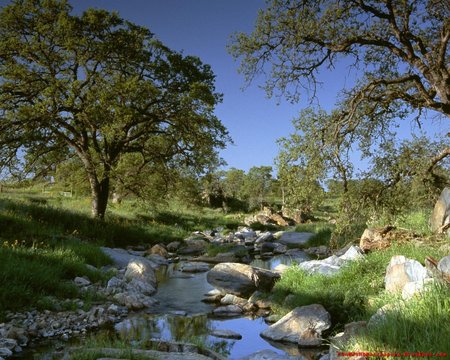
<point>230,299</point>
<point>8,343</point>
<point>303,325</point>
<point>173,246</point>
<point>441,212</point>
<point>194,267</point>
<point>241,279</point>
<point>157,260</point>
<point>5,352</point>
<point>115,283</point>
<point>228,310</point>
<point>226,334</point>
<point>264,237</point>
<point>444,266</point>
<point>134,301</point>
<point>295,239</point>
<point>141,269</point>
<point>269,355</point>
<point>401,271</point>
<point>320,267</point>
<point>353,253</point>
<point>140,286</point>
<point>79,281</point>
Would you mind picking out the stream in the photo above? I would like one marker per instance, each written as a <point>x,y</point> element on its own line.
<point>181,316</point>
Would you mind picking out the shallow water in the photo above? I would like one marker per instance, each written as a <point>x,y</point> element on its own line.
<point>180,315</point>
<point>178,291</point>
<point>198,327</point>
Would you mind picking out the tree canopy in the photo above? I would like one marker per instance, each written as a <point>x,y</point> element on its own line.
<point>402,46</point>
<point>100,88</point>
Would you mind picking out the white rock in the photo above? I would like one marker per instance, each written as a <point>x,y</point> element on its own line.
<point>353,253</point>
<point>444,265</point>
<point>400,271</point>
<point>414,287</point>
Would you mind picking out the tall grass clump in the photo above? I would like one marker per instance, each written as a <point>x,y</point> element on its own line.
<point>28,276</point>
<point>420,325</point>
<point>322,233</point>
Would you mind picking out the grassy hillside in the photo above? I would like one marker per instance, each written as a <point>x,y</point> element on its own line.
<point>47,241</point>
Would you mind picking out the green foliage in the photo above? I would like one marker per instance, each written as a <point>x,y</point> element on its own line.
<point>372,35</point>
<point>346,295</point>
<point>99,88</point>
<point>257,185</point>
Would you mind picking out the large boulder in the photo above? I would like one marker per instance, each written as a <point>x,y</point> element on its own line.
<point>295,239</point>
<point>141,270</point>
<point>241,279</point>
<point>303,326</point>
<point>193,247</point>
<point>441,213</point>
<point>401,271</point>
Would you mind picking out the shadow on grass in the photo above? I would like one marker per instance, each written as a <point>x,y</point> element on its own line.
<point>32,221</point>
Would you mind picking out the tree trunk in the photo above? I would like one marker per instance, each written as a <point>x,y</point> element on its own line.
<point>100,193</point>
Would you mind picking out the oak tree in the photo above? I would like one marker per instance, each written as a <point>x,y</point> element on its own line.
<point>399,49</point>
<point>100,88</point>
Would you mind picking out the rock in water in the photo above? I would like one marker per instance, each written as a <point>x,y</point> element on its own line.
<point>295,239</point>
<point>141,269</point>
<point>226,334</point>
<point>241,280</point>
<point>303,326</point>
<point>269,355</point>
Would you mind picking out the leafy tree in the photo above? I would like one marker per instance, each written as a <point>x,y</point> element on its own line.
<point>257,185</point>
<point>100,88</point>
<point>401,45</point>
<point>234,182</point>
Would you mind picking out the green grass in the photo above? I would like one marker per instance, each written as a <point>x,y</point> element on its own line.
<point>32,275</point>
<point>322,233</point>
<point>417,221</point>
<point>422,325</point>
<point>354,293</point>
<point>46,242</point>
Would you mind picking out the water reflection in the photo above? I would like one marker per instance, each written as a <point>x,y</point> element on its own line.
<point>197,328</point>
<point>178,291</point>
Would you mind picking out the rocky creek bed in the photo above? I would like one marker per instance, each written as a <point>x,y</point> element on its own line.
<point>175,294</point>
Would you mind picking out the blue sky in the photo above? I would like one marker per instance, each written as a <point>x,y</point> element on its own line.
<point>203,28</point>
